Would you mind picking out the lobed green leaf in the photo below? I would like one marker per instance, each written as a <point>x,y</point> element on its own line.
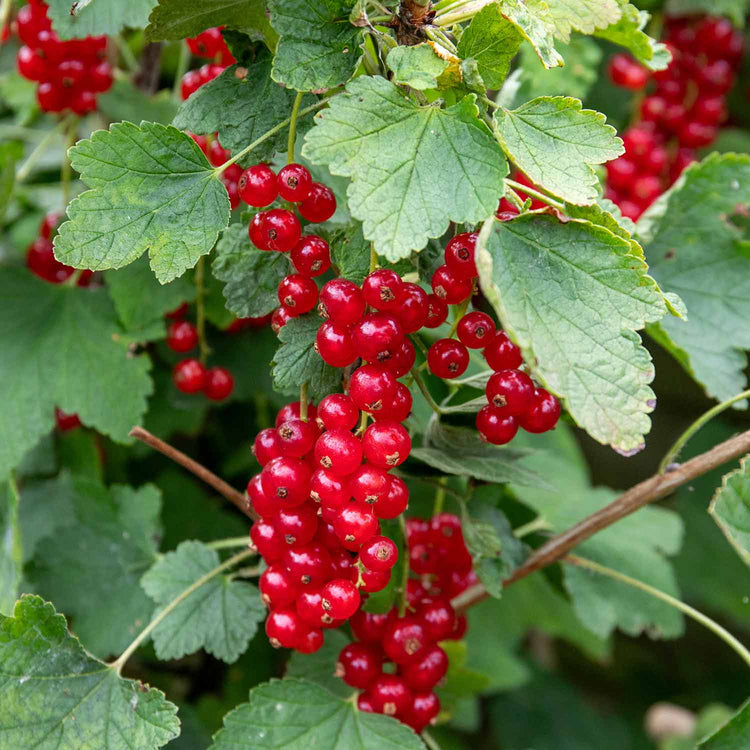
<point>730,508</point>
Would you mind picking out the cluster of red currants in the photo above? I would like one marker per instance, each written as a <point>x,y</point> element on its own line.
<point>40,256</point>
<point>681,114</point>
<point>409,640</point>
<point>320,496</point>
<point>70,74</point>
<point>209,44</point>
<point>191,375</point>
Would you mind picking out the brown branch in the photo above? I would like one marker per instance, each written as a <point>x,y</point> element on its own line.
<point>231,494</point>
<point>655,488</point>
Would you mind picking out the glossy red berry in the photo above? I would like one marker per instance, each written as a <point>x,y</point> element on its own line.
<point>51,97</point>
<point>377,336</point>
<point>328,489</point>
<point>340,598</point>
<point>495,425</point>
<point>429,670</point>
<point>298,293</point>
<point>696,134</point>
<point>337,411</point>
<point>395,502</point>
<point>368,627</point>
<point>437,311</point>
<point>369,484</point>
<point>511,389</point>
<point>277,588</point>
<point>398,408</point>
<point>309,564</point>
<point>645,189</point>
<point>371,386</point>
<point>280,230</point>
<point>475,329</point>
<point>627,73</point>
<point>389,695</point>
<point>287,481</point>
<point>217,154</point>
<point>208,43</point>
<point>379,553</point>
<point>269,543</point>
<point>319,205</point>
<point>448,358</point>
<point>386,444</point>
<point>450,288</point>
<point>311,256</point>
<point>711,110</point>
<point>382,289</point>
<point>405,640</point>
<point>189,376</point>
<point>359,665</point>
<point>341,302</point>
<point>438,618</point>
<point>412,310</point>
<point>296,437</point>
<point>501,353</point>
<point>219,383</point>
<point>339,451</point>
<point>423,711</point>
<point>292,411</point>
<point>40,259</point>
<point>297,525</point>
<point>354,525</point>
<point>280,318</point>
<point>459,255</point>
<point>266,446</point>
<point>30,65</point>
<point>310,642</point>
<point>402,360</point>
<point>264,506</point>
<point>653,108</point>
<point>309,607</point>
<point>294,182</point>
<point>543,413</point>
<point>284,629</point>
<point>334,344</point>
<point>620,172</point>
<point>255,231</point>
<point>257,186</point>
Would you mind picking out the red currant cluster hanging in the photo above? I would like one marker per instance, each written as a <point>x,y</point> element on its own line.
<point>681,114</point>
<point>69,74</point>
<point>438,556</point>
<point>209,44</point>
<point>191,375</point>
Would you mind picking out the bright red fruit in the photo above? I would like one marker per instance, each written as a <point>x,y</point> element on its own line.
<point>501,353</point>
<point>340,598</point>
<point>298,294</point>
<point>511,389</point>
<point>284,628</point>
<point>280,230</point>
<point>219,383</point>
<point>495,425</point>
<point>543,413</point>
<point>319,205</point>
<point>337,410</point>
<point>386,444</point>
<point>459,255</point>
<point>338,451</point>
<point>359,665</point>
<point>189,375</point>
<point>342,302</point>
<point>448,358</point>
<point>382,289</point>
<point>371,386</point>
<point>257,186</point>
<point>475,329</point>
<point>294,183</point>
<point>311,256</point>
<point>449,287</point>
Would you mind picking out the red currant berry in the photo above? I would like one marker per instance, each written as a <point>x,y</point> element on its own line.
<point>621,172</point>
<point>297,525</point>
<point>30,65</point>
<point>263,505</point>
<point>396,502</point>
<point>319,205</point>
<point>389,695</point>
<point>368,627</point>
<point>287,481</point>
<point>294,183</point>
<point>51,97</point>
<point>284,628</point>
<point>655,160</point>
<point>337,411</point>
<point>448,358</point>
<point>277,589</point>
<point>369,484</point>
<point>217,154</point>
<point>627,73</point>
<point>423,711</point>
<point>653,108</point>
<point>298,294</point>
<point>430,669</point>
<point>716,77</point>
<point>371,386</point>
<point>40,258</point>
<point>495,425</point>
<point>340,598</point>
<point>399,408</point>
<point>269,543</point>
<point>309,607</point>
<point>411,310</point>
<point>255,231</point>
<point>338,451</point>
<point>342,562</point>
<point>475,329</point>
<point>543,413</point>
<point>377,336</point>
<point>450,288</point>
<point>437,311</point>
<point>219,383</point>
<point>100,78</point>
<point>189,376</point>
<point>83,102</point>
<point>696,134</point>
<point>292,411</point>
<point>710,110</point>
<point>511,389</point>
<point>296,438</point>
<point>382,289</point>
<point>354,525</point>
<point>359,665</point>
<point>630,209</point>
<point>328,489</point>
<point>280,230</point>
<point>208,43</point>
<point>311,256</point>
<point>190,83</point>
<point>342,302</point>
<point>402,360</point>
<point>66,422</point>
<point>379,553</point>
<point>501,353</point>
<point>279,319</point>
<point>459,255</point>
<point>309,564</point>
<point>257,186</point>
<point>311,641</point>
<point>438,619</point>
<point>405,640</point>
<point>386,444</point>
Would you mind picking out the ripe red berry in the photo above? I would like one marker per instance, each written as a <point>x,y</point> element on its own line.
<point>511,389</point>
<point>450,288</point>
<point>398,408</point>
<point>382,289</point>
<point>284,628</point>
<point>279,319</point>
<point>334,344</point>
<point>429,670</point>
<point>309,564</point>
<point>386,444</point>
<point>543,413</point>
<point>459,255</point>
<point>402,360</point>
<point>189,376</point>
<point>292,411</point>
<point>338,451</point>
<point>340,598</point>
<point>30,65</point>
<point>368,627</point>
<point>298,293</point>
<point>423,711</point>
<point>255,231</point>
<point>437,311</point>
<point>342,302</point>
<point>389,695</point>
<point>501,353</point>
<point>696,134</point>
<point>296,437</point>
<point>310,642</point>
<point>716,77</point>
<point>269,543</point>
<point>620,172</point>
<point>377,337</point>
<point>448,358</point>
<point>294,183</point>
<point>627,73</point>
<point>217,154</point>
<point>297,525</point>
<point>653,108</point>
<point>379,553</point>
<point>405,640</point>
<point>710,110</point>
<point>319,205</point>
<point>354,525</point>
<point>371,386</point>
<point>337,410</point>
<point>219,383</point>
<point>655,160</point>
<point>280,230</point>
<point>40,259</point>
<point>277,588</point>
<point>328,489</point>
<point>51,97</point>
<point>264,506</point>
<point>396,502</point>
<point>311,256</point>
<point>257,186</point>
<point>475,329</point>
<point>370,581</point>
<point>287,481</point>
<point>412,310</point>
<point>359,665</point>
<point>495,425</point>
<point>369,484</point>
<point>438,618</point>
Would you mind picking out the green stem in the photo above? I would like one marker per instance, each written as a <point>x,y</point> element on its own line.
<point>514,198</point>
<point>251,571</point>
<point>182,65</point>
<point>422,387</point>
<point>229,542</point>
<point>119,663</point>
<point>430,741</point>
<point>462,12</point>
<point>200,310</point>
<point>538,524</point>
<point>459,312</point>
<point>686,609</point>
<point>66,171</point>
<point>293,128</point>
<point>303,402</point>
<point>534,193</point>
<point>275,129</point>
<point>126,54</point>
<point>679,444</point>
<point>420,344</point>
<point>373,258</point>
<point>437,507</point>
<point>5,7</point>
<point>25,169</point>
<point>404,567</point>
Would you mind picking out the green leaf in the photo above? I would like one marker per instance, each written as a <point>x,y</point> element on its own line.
<point>11,554</point>
<point>297,715</point>
<point>730,508</point>
<point>320,666</point>
<point>555,142</point>
<point>241,106</point>
<point>123,99</point>
<point>79,20</point>
<point>733,735</point>
<point>60,351</point>
<point>628,32</point>
<point>177,19</point>
<point>572,296</point>
<point>734,9</point>
<point>533,20</point>
<point>401,157</point>
<point>460,681</point>
<point>220,616</point>
<point>141,302</point>
<point>460,451</point>
<point>91,567</point>
<point>695,249</point>
<point>251,276</point>
<point>493,41</point>
<point>582,15</point>
<point>10,153</point>
<point>417,66</point>
<point>318,47</point>
<point>296,362</point>
<point>55,696</point>
<point>350,253</point>
<point>152,189</point>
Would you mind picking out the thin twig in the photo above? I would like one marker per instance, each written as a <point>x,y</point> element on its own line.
<point>293,128</point>
<point>231,494</point>
<point>654,488</point>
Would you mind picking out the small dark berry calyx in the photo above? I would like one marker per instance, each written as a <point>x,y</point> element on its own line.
<point>305,579</point>
<point>282,492</point>
<point>383,554</point>
<point>272,234</point>
<point>463,253</point>
<point>266,599</point>
<point>349,538</point>
<point>453,366</point>
<point>292,182</point>
<point>325,462</point>
<point>325,604</point>
<point>392,459</point>
<point>412,645</point>
<point>314,496</point>
<point>289,301</point>
<point>440,292</point>
<point>375,405</point>
<point>326,619</point>
<point>499,400</point>
<point>316,265</point>
<point>286,432</point>
<point>371,499</point>
<point>386,294</point>
<point>290,539</point>
<point>389,709</point>
<point>338,670</point>
<point>275,642</point>
<point>385,355</point>
<point>322,310</point>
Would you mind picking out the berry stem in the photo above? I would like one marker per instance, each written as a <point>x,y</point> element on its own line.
<point>457,12</point>
<point>230,542</point>
<point>679,444</point>
<point>119,663</point>
<point>237,498</point>
<point>459,312</point>
<point>422,387</point>
<point>182,65</point>
<point>538,524</point>
<point>25,169</point>
<point>72,280</point>
<point>303,402</point>
<point>429,740</point>
<point>66,171</point>
<point>128,59</point>
<point>404,567</point>
<point>373,258</point>
<point>534,193</point>
<point>514,198</point>
<point>200,310</point>
<point>437,507</point>
<point>686,609</point>
<point>293,128</point>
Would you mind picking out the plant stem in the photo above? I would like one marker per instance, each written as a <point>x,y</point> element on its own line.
<point>422,387</point>
<point>200,310</point>
<point>404,567</point>
<point>303,402</point>
<point>679,444</point>
<point>725,635</point>
<point>119,663</point>
<point>275,129</point>
<point>293,128</point>
<point>437,507</point>
<point>459,312</point>
<point>514,198</point>
<point>237,498</point>
<point>234,541</point>
<point>462,12</point>
<point>182,65</point>
<point>373,258</point>
<point>534,193</point>
<point>429,740</point>
<point>538,524</point>
<point>126,54</point>
<point>25,169</point>
<point>5,8</point>
<point>66,171</point>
